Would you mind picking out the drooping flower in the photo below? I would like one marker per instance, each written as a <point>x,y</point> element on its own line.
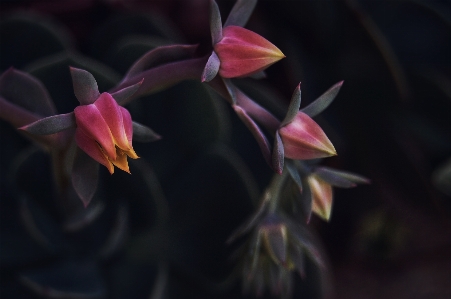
<point>237,52</point>
<point>304,139</point>
<point>243,52</point>
<point>104,131</point>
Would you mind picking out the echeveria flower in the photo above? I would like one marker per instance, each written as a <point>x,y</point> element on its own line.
<point>304,139</point>
<point>301,138</point>
<point>104,131</point>
<point>242,52</point>
<point>237,52</point>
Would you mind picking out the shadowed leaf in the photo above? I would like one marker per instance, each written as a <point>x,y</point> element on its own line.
<point>321,103</point>
<point>294,173</point>
<point>26,91</point>
<point>240,13</point>
<point>160,56</point>
<point>215,23</point>
<point>122,95</point>
<point>142,133</point>
<point>293,109</point>
<point>85,174</point>
<point>85,86</point>
<point>339,178</point>
<point>51,125</point>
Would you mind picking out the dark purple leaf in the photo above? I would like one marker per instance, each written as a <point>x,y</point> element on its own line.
<point>51,125</point>
<point>26,91</point>
<point>240,13</point>
<point>321,103</point>
<point>211,68</point>
<point>142,133</point>
<point>160,56</point>
<point>85,175</point>
<point>293,108</point>
<point>121,96</point>
<point>278,154</point>
<point>215,23</point>
<point>85,86</point>
<point>164,76</point>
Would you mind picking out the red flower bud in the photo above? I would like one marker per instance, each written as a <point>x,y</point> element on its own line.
<point>243,52</point>
<point>304,139</point>
<point>104,131</point>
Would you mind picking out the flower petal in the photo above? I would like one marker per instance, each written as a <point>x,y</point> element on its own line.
<point>121,161</point>
<point>243,52</point>
<point>91,147</point>
<point>304,139</point>
<point>112,114</point>
<point>90,121</point>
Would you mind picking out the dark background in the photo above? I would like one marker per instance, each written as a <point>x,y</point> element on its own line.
<point>390,123</point>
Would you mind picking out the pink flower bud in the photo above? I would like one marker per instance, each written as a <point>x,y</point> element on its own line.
<point>104,131</point>
<point>304,139</point>
<point>243,52</point>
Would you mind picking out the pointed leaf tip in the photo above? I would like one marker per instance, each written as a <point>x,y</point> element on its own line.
<point>240,13</point>
<point>321,103</point>
<point>51,125</point>
<point>211,68</point>
<point>293,108</point>
<point>215,22</point>
<point>85,174</point>
<point>85,86</point>
<point>121,96</point>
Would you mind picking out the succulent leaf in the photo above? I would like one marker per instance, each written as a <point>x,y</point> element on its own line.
<point>240,13</point>
<point>85,174</point>
<point>51,125</point>
<point>321,103</point>
<point>215,22</point>
<point>211,68</point>
<point>144,134</point>
<point>293,108</point>
<point>85,86</point>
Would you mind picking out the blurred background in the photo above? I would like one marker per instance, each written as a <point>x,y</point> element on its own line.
<point>163,229</point>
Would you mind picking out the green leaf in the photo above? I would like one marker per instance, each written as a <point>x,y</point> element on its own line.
<point>240,13</point>
<point>85,86</point>
<point>51,125</point>
<point>321,103</point>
